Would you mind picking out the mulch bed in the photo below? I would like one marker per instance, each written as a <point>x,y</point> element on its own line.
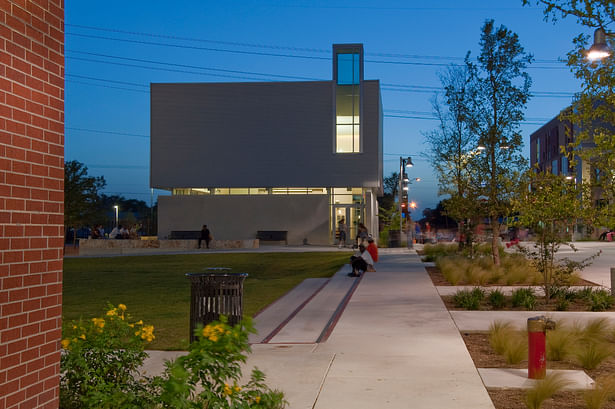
<point>484,357</point>
<point>437,278</point>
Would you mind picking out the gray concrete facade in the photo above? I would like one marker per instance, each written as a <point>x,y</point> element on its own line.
<point>265,135</point>
<point>259,135</point>
<point>239,217</point>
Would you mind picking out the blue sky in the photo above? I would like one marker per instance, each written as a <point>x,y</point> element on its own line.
<point>113,51</point>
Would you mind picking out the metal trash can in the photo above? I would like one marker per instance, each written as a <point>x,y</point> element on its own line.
<point>215,294</point>
<point>394,238</point>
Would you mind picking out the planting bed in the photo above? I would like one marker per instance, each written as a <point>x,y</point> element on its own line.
<point>484,357</point>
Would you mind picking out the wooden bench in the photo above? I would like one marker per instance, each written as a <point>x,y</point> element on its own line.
<point>185,235</point>
<point>272,235</point>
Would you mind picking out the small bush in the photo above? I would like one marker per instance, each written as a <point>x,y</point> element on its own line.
<point>452,268</point>
<point>559,344</point>
<point>435,251</point>
<point>515,349</point>
<point>524,297</point>
<point>591,354</point>
<point>603,391</point>
<point>470,300</point>
<point>561,304</point>
<point>496,299</point>
<point>597,329</point>
<point>600,300</point>
<point>499,333</point>
<point>585,293</point>
<point>544,389</point>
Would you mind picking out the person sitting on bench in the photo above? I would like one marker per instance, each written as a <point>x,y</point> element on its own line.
<point>361,262</point>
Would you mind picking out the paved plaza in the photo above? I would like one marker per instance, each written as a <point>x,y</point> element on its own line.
<point>385,340</point>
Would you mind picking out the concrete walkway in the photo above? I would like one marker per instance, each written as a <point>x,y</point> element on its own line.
<point>394,346</point>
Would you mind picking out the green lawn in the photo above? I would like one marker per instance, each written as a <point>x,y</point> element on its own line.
<point>155,289</point>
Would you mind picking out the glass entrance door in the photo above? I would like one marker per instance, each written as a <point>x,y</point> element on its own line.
<point>351,215</point>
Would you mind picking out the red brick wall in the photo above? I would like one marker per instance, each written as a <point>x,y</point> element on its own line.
<point>31,201</point>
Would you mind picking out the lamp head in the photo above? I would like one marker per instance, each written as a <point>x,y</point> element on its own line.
<point>599,48</point>
<point>409,163</point>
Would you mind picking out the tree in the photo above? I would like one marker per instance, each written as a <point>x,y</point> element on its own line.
<point>499,90</point>
<point>592,113</point>
<point>551,205</point>
<point>81,194</point>
<point>452,146</point>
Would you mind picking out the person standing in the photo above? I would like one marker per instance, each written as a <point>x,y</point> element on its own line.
<point>205,235</point>
<point>362,234</point>
<point>342,229</point>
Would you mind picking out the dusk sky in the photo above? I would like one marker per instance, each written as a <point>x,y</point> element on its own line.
<point>115,49</point>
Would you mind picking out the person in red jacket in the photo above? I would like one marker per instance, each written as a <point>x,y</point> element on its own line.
<point>372,249</point>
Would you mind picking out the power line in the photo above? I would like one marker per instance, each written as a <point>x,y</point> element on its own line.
<point>115,57</point>
<point>268,46</point>
<point>105,132</point>
<point>226,50</point>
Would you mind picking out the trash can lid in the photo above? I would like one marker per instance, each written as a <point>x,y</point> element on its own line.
<point>195,275</point>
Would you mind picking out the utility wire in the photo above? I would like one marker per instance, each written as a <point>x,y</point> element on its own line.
<point>268,54</point>
<point>275,47</point>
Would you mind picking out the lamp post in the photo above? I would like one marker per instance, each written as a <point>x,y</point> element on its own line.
<point>117,213</point>
<point>403,163</point>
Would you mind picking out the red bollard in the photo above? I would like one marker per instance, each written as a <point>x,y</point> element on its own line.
<point>537,360</point>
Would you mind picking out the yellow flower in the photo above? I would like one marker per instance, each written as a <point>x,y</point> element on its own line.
<point>65,343</point>
<point>213,338</point>
<point>74,327</point>
<point>99,322</point>
<point>82,336</point>
<point>146,333</point>
<point>237,388</point>
<point>257,399</point>
<point>122,307</point>
<point>140,322</point>
<point>227,389</point>
<point>131,325</point>
<point>112,312</point>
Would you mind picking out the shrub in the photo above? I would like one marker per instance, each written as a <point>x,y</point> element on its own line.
<point>435,251</point>
<point>214,364</point>
<point>496,298</point>
<point>507,341</point>
<point>601,393</point>
<point>597,329</point>
<point>559,344</point>
<point>524,297</point>
<point>591,354</point>
<point>499,333</point>
<point>101,360</point>
<point>102,357</point>
<point>544,389</point>
<point>562,304</point>
<point>452,268</point>
<point>585,293</point>
<point>600,300</point>
<point>470,300</point>
<point>515,348</point>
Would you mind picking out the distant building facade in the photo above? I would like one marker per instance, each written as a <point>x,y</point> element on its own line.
<point>546,150</point>
<point>270,156</point>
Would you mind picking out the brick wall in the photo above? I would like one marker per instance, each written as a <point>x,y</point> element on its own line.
<point>31,200</point>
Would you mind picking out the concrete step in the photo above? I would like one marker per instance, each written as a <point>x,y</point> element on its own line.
<point>307,313</point>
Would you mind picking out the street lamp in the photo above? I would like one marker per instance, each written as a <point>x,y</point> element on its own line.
<point>599,48</point>
<point>117,213</point>
<point>403,178</point>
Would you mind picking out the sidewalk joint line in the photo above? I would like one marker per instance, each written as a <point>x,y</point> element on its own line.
<point>324,378</point>
<point>326,332</point>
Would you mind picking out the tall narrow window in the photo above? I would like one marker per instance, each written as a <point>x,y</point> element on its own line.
<point>348,76</point>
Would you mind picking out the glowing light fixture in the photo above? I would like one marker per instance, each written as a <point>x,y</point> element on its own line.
<point>599,48</point>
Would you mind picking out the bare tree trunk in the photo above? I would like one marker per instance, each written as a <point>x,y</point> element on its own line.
<point>495,248</point>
